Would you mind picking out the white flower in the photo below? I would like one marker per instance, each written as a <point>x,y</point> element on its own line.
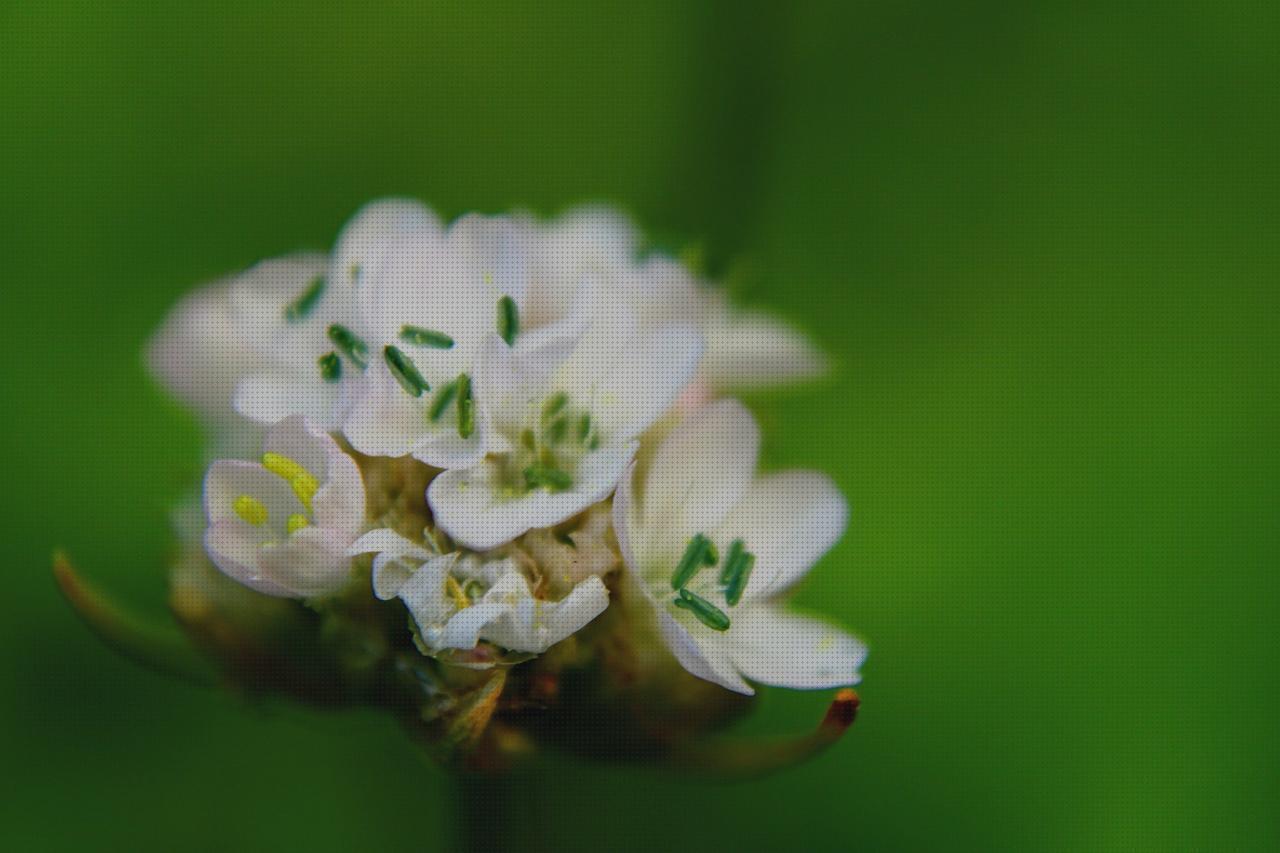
<point>458,601</point>
<point>713,547</point>
<point>283,526</point>
<point>565,430</point>
<point>437,299</point>
<point>305,319</point>
<point>198,355</point>
<point>743,348</point>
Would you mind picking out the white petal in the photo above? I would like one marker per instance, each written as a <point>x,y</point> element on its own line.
<point>359,250</point>
<point>494,246</point>
<point>571,614</point>
<point>268,397</point>
<point>198,355</point>
<point>473,509</point>
<point>423,283</point>
<point>636,386</point>
<point>700,472</point>
<point>425,595</point>
<point>385,422</point>
<point>746,350</point>
<point>233,546</point>
<point>396,561</point>
<point>625,525</point>
<point>309,563</point>
<point>260,297</point>
<point>703,656</point>
<point>463,628</point>
<point>385,540</point>
<point>784,649</point>
<point>532,625</point>
<point>788,520</point>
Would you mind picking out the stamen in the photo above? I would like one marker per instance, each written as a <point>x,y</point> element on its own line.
<point>250,509</point>
<point>731,561</point>
<point>508,320</point>
<point>584,427</point>
<point>552,479</point>
<point>594,442</point>
<point>695,555</point>
<point>405,373</point>
<point>351,346</point>
<point>456,593</point>
<point>282,466</point>
<point>553,406</point>
<point>712,556</point>
<point>302,481</point>
<point>426,337</point>
<point>442,401</point>
<point>559,427</point>
<point>296,522</point>
<point>301,307</point>
<point>330,367</point>
<point>708,614</point>
<point>736,573</point>
<point>466,407</point>
<point>528,441</point>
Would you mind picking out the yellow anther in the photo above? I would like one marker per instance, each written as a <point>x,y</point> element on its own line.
<point>296,522</point>
<point>455,592</point>
<point>303,483</point>
<point>282,466</point>
<point>250,509</point>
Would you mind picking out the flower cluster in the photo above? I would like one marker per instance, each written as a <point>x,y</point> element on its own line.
<point>553,398</point>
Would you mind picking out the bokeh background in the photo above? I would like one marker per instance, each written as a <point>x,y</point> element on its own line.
<point>1039,239</point>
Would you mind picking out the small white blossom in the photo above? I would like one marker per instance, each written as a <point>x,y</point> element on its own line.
<point>565,431</point>
<point>713,547</point>
<point>458,601</point>
<point>282,526</point>
<point>744,349</point>
<point>436,302</point>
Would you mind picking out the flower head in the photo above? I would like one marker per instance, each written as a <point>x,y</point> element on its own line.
<point>283,525</point>
<point>714,547</point>
<point>537,405</point>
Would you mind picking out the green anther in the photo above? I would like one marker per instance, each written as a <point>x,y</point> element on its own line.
<point>425,337</point>
<point>584,427</point>
<point>442,401</point>
<point>559,427</point>
<point>695,556</point>
<point>731,561</point>
<point>553,479</point>
<point>553,406</point>
<point>528,441</point>
<point>466,407</point>
<point>708,614</point>
<point>351,346</point>
<point>594,442</point>
<point>738,583</point>
<point>404,372</point>
<point>547,457</point>
<point>304,304</point>
<point>712,556</point>
<point>330,367</point>
<point>565,539</point>
<point>508,320</point>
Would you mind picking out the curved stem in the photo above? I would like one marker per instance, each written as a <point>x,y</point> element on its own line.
<point>161,647</point>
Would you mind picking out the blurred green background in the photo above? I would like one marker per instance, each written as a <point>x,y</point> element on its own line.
<point>1040,240</point>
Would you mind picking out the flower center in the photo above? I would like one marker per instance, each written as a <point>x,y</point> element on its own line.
<point>735,571</point>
